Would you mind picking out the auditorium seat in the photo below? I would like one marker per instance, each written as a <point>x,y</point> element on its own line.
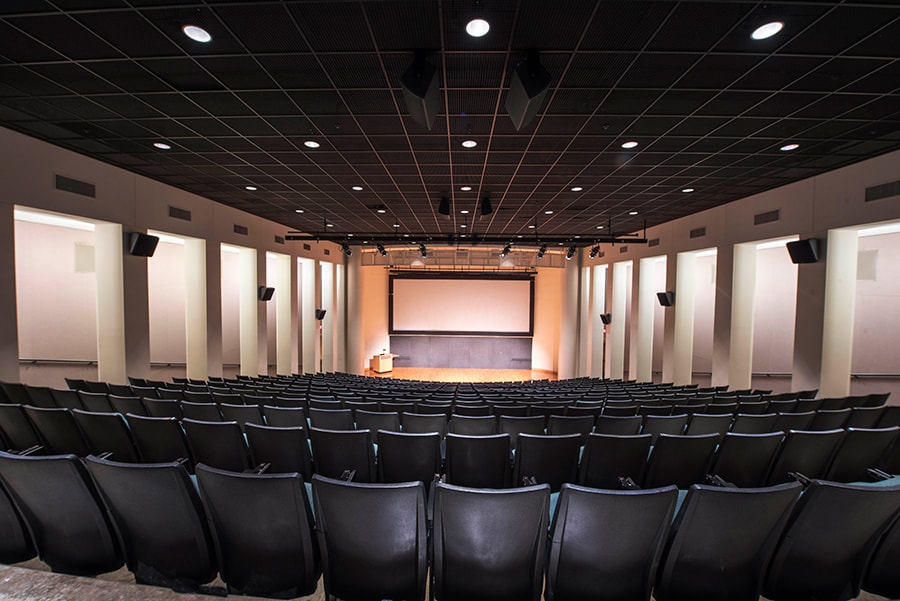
<point>618,425</point>
<point>18,432</point>
<point>515,425</point>
<point>383,523</point>
<point>284,417</point>
<point>408,457</point>
<point>107,433</point>
<point>285,449</point>
<point>882,576</point>
<point>679,460</point>
<point>478,461</point>
<point>127,404</point>
<point>473,425</point>
<point>15,539</point>
<point>163,407</point>
<point>16,393</point>
<point>472,409</point>
<point>242,414</point>
<point>198,396</point>
<point>703,563</point>
<point>807,453</point>
<point>338,451</point>
<point>58,431</point>
<point>563,424</point>
<point>422,423</point>
<point>760,423</point>
<point>858,451</point>
<point>606,544</point>
<point>40,396</point>
<point>159,439</point>
<point>203,412</point>
<point>792,421</point>
<point>829,420</point>
<point>744,460</point>
<point>95,401</point>
<point>864,417</point>
<point>156,511</point>
<point>489,544</point>
<point>331,419</point>
<point>263,532</point>
<point>377,420</point>
<point>608,457</point>
<point>829,539</point>
<point>59,502</point>
<point>543,459</point>
<point>66,399</point>
<point>217,444</point>
<point>705,423</point>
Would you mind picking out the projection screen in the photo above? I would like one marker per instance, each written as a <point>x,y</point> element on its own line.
<point>493,305</point>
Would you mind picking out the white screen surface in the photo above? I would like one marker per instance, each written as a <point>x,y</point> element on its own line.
<point>461,306</point>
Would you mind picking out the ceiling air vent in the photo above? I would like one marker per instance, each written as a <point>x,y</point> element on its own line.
<point>653,242</point>
<point>768,217</point>
<point>883,191</point>
<point>67,184</point>
<point>698,232</point>
<point>623,249</point>
<point>241,229</point>
<point>177,213</point>
<point>279,239</point>
<point>306,246</point>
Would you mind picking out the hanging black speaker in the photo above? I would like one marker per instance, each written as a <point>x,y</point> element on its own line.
<point>804,251</point>
<point>142,245</point>
<point>422,91</point>
<point>320,314</point>
<point>265,293</point>
<point>666,299</point>
<point>606,318</point>
<point>527,88</point>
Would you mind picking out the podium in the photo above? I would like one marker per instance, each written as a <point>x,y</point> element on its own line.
<point>382,363</point>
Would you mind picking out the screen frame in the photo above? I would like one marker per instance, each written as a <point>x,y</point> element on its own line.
<point>458,275</point>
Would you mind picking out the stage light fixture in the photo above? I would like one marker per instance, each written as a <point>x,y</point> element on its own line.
<point>571,252</point>
<point>541,251</point>
<point>594,252</point>
<point>381,250</point>
<point>506,250</point>
<point>346,248</point>
<point>423,251</point>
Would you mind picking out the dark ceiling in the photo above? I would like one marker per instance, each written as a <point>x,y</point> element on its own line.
<point>709,107</point>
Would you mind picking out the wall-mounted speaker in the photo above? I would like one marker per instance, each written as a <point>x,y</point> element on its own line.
<point>527,89</point>
<point>804,251</point>
<point>666,299</point>
<point>265,293</point>
<point>606,318</point>
<point>142,245</point>
<point>422,91</point>
<point>320,314</point>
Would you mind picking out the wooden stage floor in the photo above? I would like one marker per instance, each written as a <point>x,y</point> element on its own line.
<point>445,374</point>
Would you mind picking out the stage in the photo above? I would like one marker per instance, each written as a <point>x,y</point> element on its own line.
<point>449,374</point>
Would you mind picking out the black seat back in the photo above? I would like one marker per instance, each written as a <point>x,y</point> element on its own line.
<point>58,431</point>
<point>680,460</point>
<point>408,457</point>
<point>107,433</point>
<point>284,449</point>
<point>16,428</point>
<point>608,457</point>
<point>858,451</point>
<point>745,459</point>
<point>478,461</point>
<point>339,451</point>
<point>807,453</point>
<point>549,460</point>
<point>159,439</point>
<point>217,444</point>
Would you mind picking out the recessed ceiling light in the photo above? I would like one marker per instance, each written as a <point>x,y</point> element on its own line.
<point>251,188</point>
<point>382,211</point>
<point>599,227</point>
<point>548,212</point>
<point>311,144</point>
<point>463,225</point>
<point>789,147</point>
<point>531,227</point>
<point>577,188</point>
<point>464,212</point>
<point>162,146</point>
<point>406,235</point>
<point>466,188</point>
<point>477,27</point>
<point>686,190</point>
<point>632,213</point>
<point>630,144</point>
<point>298,210</point>
<point>469,143</point>
<point>396,225</point>
<point>329,225</point>
<point>198,34</point>
<point>766,31</point>
<point>358,188</point>
<point>520,236</point>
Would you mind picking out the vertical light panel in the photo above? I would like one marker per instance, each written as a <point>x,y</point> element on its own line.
<point>248,312</point>
<point>584,321</point>
<point>308,325</point>
<point>9,339</point>
<point>195,313</point>
<point>111,366</point>
<point>617,327</point>
<point>355,338</point>
<point>280,278</point>
<point>568,323</point>
<point>598,329</point>
<point>743,291</point>
<point>326,274</point>
<point>722,318</point>
<point>840,307</point>
<point>646,304</point>
<point>684,318</point>
<point>340,319</point>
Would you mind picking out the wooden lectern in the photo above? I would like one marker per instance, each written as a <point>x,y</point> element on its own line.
<point>382,363</point>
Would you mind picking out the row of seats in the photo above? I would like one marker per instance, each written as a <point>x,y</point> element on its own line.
<point>282,439</point>
<point>380,541</point>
